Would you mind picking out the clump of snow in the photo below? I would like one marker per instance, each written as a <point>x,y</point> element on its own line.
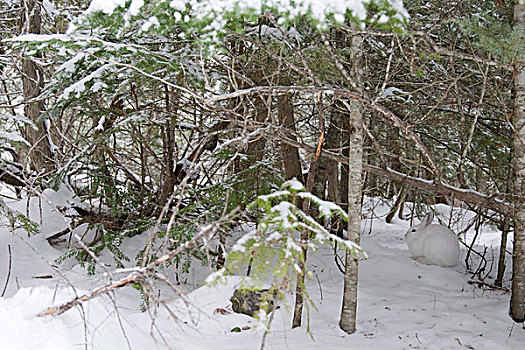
<point>80,85</point>
<point>286,216</point>
<point>15,137</point>
<point>276,194</point>
<point>106,6</point>
<point>151,22</point>
<point>393,91</point>
<point>326,208</point>
<point>294,184</point>
<point>69,65</point>
<point>17,119</point>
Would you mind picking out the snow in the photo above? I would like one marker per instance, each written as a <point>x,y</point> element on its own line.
<point>393,91</point>
<point>14,136</point>
<point>17,119</point>
<point>402,304</point>
<point>152,21</point>
<point>294,184</point>
<point>220,10</point>
<point>106,6</point>
<point>69,65</point>
<point>80,85</point>
<point>49,7</point>
<point>17,315</point>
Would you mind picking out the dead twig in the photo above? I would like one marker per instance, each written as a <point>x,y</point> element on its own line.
<point>8,271</point>
<point>489,285</point>
<point>139,273</point>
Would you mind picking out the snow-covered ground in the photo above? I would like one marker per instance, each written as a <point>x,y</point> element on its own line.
<point>402,304</point>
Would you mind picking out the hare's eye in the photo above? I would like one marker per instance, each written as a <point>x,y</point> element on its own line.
<point>413,230</point>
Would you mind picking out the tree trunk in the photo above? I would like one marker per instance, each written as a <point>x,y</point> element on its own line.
<point>343,184</point>
<point>355,167</point>
<point>258,114</point>
<point>517,301</point>
<point>290,154</point>
<point>168,176</point>
<point>502,251</point>
<point>255,149</point>
<point>39,156</point>
<point>335,192</point>
<point>300,287</point>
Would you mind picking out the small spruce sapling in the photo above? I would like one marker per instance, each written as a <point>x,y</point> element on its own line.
<point>273,250</point>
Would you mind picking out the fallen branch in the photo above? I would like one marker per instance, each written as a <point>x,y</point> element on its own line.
<point>489,285</point>
<point>60,309</point>
<point>138,273</point>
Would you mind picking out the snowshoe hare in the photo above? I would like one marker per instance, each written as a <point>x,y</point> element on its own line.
<point>433,244</point>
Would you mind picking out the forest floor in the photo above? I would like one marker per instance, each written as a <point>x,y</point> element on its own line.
<point>402,304</point>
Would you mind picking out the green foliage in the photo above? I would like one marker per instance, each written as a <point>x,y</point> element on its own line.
<point>110,240</point>
<point>381,15</point>
<point>236,189</point>
<point>18,220</point>
<point>274,250</point>
<point>144,300</point>
<point>495,34</point>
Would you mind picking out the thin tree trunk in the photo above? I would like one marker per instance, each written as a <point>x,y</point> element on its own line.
<point>333,142</point>
<point>505,228</point>
<point>299,288</point>
<point>168,177</point>
<point>39,156</point>
<point>290,154</point>
<point>355,168</point>
<point>343,184</point>
<point>517,300</point>
<point>399,201</point>
<point>502,252</point>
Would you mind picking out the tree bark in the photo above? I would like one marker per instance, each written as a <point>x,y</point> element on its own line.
<point>39,156</point>
<point>355,169</point>
<point>517,300</point>
<point>502,251</point>
<point>168,176</point>
<point>290,154</point>
<point>300,287</point>
<point>337,181</point>
<point>255,149</point>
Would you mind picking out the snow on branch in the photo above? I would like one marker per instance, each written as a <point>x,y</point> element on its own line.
<point>211,19</point>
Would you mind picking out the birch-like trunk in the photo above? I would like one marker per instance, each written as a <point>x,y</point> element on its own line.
<point>355,167</point>
<point>517,301</point>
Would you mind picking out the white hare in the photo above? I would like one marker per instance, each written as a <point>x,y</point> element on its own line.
<point>433,244</point>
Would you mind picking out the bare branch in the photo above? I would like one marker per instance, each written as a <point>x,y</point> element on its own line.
<point>138,273</point>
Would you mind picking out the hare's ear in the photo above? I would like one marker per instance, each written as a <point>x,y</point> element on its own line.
<point>427,220</point>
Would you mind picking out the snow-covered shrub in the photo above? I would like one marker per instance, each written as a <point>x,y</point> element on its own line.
<point>274,250</point>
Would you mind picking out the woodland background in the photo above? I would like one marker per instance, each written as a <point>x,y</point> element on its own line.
<point>158,119</point>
